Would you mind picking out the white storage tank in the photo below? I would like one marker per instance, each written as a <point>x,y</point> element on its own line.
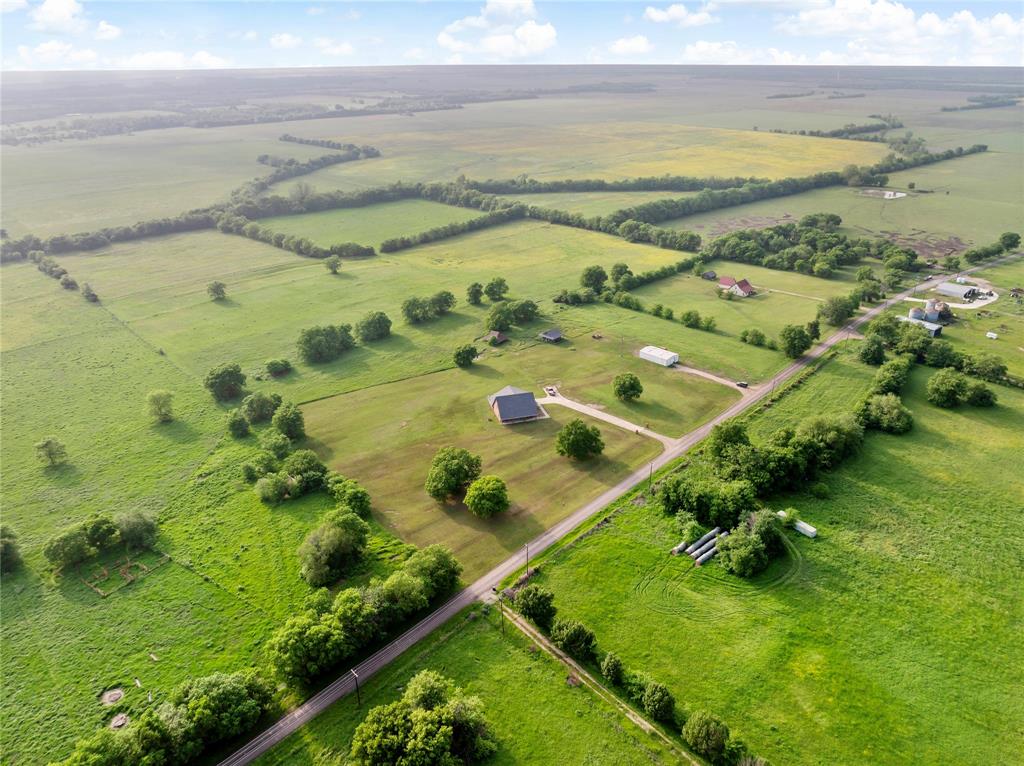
<point>659,356</point>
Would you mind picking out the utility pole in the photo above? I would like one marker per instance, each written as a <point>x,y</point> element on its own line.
<point>650,478</point>
<point>359,699</point>
<point>501,611</point>
<point>527,561</point>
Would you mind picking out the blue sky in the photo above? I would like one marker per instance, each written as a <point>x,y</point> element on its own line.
<point>79,34</point>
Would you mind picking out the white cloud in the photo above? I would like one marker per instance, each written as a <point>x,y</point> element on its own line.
<point>888,32</point>
<point>7,6</point>
<point>314,10</point>
<point>504,29</point>
<point>170,60</point>
<point>730,52</point>
<point>248,34</point>
<point>415,54</point>
<point>678,14</point>
<point>627,46</point>
<point>58,16</point>
<point>331,47</point>
<point>285,40</point>
<point>107,31</point>
<point>57,54</point>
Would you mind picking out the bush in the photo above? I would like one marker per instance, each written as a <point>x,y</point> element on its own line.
<point>537,604</point>
<point>10,553</point>
<point>947,388</point>
<point>238,426</point>
<point>436,568</point>
<point>225,381</point>
<point>260,407</point>
<point>67,548</point>
<point>885,412</point>
<point>474,294</point>
<point>464,355</point>
<point>306,470</point>
<point>276,443</point>
<point>892,376</point>
<point>574,638</point>
<point>277,367</point>
<point>579,441</point>
<point>326,343</point>
<point>452,470</point>
<point>348,493</point>
<point>872,351</point>
<point>627,387</point>
<point>373,326</point>
<point>51,451</point>
<point>613,669</point>
<point>289,421</point>
<point>487,496</point>
<point>273,488</point>
<point>217,290</point>
<point>159,405</point>
<point>742,553</point>
<point>658,702</point>
<point>794,340</point>
<point>136,530</point>
<point>979,395</point>
<point>706,735</point>
<point>332,548</point>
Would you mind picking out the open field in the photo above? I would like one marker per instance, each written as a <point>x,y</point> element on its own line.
<point>536,716</point>
<point>972,201</point>
<point>370,225</point>
<point>869,630</point>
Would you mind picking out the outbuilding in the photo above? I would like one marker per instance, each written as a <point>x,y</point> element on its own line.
<point>514,405</point>
<point>496,338</point>
<point>953,290</point>
<point>934,330</point>
<point>661,356</point>
<point>554,335</point>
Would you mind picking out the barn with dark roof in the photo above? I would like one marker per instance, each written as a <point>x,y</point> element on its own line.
<point>513,405</point>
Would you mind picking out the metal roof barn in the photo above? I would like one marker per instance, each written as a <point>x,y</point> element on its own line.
<point>956,291</point>
<point>661,356</point>
<point>513,405</point>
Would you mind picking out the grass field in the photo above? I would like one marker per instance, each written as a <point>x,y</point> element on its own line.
<point>866,632</point>
<point>370,225</point>
<point>536,716</point>
<point>972,200</point>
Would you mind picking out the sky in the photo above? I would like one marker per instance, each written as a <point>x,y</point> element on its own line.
<point>170,34</point>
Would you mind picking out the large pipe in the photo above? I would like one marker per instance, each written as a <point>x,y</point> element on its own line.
<point>696,544</point>
<point>707,556</point>
<point>703,549</point>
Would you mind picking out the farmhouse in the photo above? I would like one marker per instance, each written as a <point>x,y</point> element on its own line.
<point>934,330</point>
<point>963,292</point>
<point>659,356</point>
<point>554,335</point>
<point>743,288</point>
<point>513,405</point>
<point>496,338</point>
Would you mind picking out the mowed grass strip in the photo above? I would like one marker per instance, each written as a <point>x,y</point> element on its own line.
<point>535,714</point>
<point>370,225</point>
<point>853,645</point>
<point>386,436</point>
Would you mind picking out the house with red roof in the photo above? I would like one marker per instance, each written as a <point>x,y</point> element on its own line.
<point>742,288</point>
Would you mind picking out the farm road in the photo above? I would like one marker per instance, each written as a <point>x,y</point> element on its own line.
<point>481,588</point>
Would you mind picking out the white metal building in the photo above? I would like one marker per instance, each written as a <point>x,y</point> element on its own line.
<point>658,356</point>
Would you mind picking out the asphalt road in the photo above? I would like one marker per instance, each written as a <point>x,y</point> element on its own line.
<point>481,589</point>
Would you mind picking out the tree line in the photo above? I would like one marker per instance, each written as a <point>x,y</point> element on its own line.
<point>525,185</point>
<point>847,131</point>
<point>321,142</point>
<point>494,218</point>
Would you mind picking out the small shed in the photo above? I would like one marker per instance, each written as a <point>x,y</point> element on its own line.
<point>514,405</point>
<point>709,275</point>
<point>496,338</point>
<point>991,335</point>
<point>934,330</point>
<point>661,356</point>
<point>554,335</point>
<point>953,290</point>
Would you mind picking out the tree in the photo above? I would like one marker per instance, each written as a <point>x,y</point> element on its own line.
<point>988,367</point>
<point>1009,241</point>
<point>523,311</point>
<point>499,318</point>
<point>373,326</point>
<point>627,387</point>
<point>947,388</point>
<point>277,367</point>
<point>690,318</point>
<point>68,547</point>
<point>619,270</point>
<point>979,395</point>
<point>101,532</point>
<point>273,488</point>
<point>306,471</point>
<point>537,604</point>
<point>836,310</point>
<point>579,441</point>
<point>474,294</point>
<point>658,702</point>
<point>706,734</point>
<point>742,553</point>
<point>159,405</point>
<point>496,289</point>
<point>441,303</point>
<point>225,381</point>
<point>613,669</point>
<point>326,343</point>
<point>275,443</point>
<point>416,310</point>
<point>594,277</point>
<point>306,646</point>
<point>452,470</point>
<point>332,548</point>
<point>794,340</point>
<point>289,421</point>
<point>872,350</point>
<point>51,451</point>
<point>138,530</point>
<point>885,412</point>
<point>218,291</point>
<point>464,355</point>
<point>89,294</point>
<point>332,263</point>
<point>10,553</point>
<point>487,496</point>
<point>574,638</point>
<point>238,426</point>
<point>348,493</point>
<point>436,567</point>
<point>259,407</point>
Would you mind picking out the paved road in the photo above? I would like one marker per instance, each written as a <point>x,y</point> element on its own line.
<point>481,589</point>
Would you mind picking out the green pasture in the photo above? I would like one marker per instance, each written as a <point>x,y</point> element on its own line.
<point>535,714</point>
<point>854,644</point>
<point>958,203</point>
<point>369,225</point>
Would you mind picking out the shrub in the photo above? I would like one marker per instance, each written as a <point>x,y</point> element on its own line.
<point>273,488</point>
<point>289,421</point>
<point>947,388</point>
<point>348,493</point>
<point>613,669</point>
<point>276,443</point>
<point>238,426</point>
<point>872,350</point>
<point>892,376</point>
<point>579,441</point>
<point>979,395</point>
<point>278,367</point>
<point>260,407</point>
<point>326,343</point>
<point>373,326</point>
<point>10,553</point>
<point>436,568</point>
<point>707,735</point>
<point>306,471</point>
<point>742,553</point>
<point>137,530</point>
<point>225,381</point>
<point>885,412</point>
<point>627,387</point>
<point>574,638</point>
<point>217,290</point>
<point>487,496</point>
<point>537,604</point>
<point>51,451</point>
<point>464,355</point>
<point>658,702</point>
<point>159,405</point>
<point>452,470</point>
<point>474,294</point>
<point>794,340</point>
<point>332,263</point>
<point>332,548</point>
<point>68,547</point>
